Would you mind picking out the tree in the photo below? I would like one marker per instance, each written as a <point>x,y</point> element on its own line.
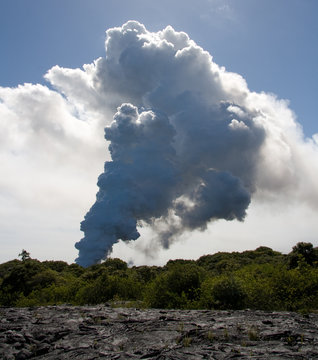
<point>24,255</point>
<point>302,251</point>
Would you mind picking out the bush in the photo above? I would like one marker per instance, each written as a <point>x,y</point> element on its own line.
<point>19,280</point>
<point>259,279</point>
<point>177,287</point>
<point>108,287</point>
<point>256,280</point>
<point>222,292</point>
<point>296,289</point>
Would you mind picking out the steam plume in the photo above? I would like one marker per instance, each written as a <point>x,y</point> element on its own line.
<point>191,145</point>
<point>183,144</point>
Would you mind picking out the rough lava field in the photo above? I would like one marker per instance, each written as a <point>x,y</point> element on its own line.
<point>103,332</point>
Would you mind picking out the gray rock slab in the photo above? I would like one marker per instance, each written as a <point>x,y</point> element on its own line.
<point>102,332</point>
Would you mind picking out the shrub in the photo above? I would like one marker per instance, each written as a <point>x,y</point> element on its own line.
<point>222,292</point>
<point>177,287</point>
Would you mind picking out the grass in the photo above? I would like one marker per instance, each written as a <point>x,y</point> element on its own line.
<point>253,334</point>
<point>210,336</point>
<point>187,341</point>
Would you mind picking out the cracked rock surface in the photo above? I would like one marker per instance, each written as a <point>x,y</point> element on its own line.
<point>102,332</point>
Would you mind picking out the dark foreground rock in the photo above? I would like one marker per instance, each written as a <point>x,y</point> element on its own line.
<point>101,332</point>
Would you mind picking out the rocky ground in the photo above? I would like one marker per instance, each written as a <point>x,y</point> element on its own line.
<point>102,332</point>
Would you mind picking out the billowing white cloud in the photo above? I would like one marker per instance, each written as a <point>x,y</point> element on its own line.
<point>49,160</point>
<point>191,144</point>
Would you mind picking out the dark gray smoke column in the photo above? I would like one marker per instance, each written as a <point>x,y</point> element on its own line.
<point>138,184</point>
<point>189,160</point>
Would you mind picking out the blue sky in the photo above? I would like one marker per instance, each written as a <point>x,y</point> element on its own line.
<point>272,44</point>
<point>50,161</point>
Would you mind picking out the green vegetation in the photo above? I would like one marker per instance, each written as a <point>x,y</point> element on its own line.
<point>261,279</point>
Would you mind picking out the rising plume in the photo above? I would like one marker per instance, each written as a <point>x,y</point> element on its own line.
<point>188,142</point>
<point>188,145</point>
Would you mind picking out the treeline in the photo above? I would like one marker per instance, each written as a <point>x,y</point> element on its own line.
<point>261,279</point>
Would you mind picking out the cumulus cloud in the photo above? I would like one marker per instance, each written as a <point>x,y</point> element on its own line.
<point>228,142</point>
<point>49,157</point>
<point>189,143</point>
